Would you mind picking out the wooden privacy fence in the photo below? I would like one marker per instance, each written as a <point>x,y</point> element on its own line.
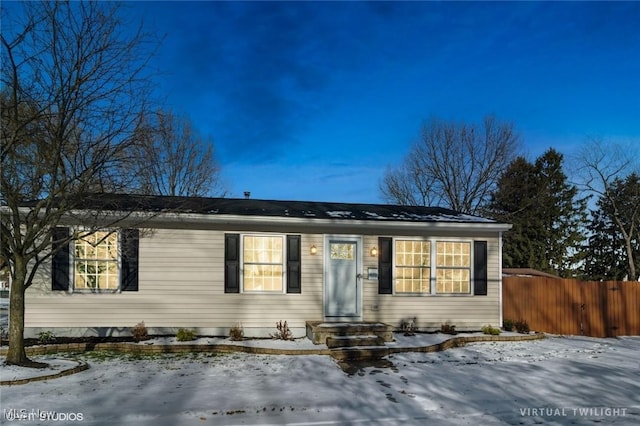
<point>559,306</point>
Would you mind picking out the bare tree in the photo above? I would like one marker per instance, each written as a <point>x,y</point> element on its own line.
<point>599,164</point>
<point>171,158</point>
<point>74,83</point>
<point>454,165</point>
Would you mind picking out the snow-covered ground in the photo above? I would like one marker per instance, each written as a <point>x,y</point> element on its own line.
<point>557,380</point>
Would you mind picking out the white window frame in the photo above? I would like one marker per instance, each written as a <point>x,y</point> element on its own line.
<point>284,264</point>
<point>395,267</point>
<point>433,267</point>
<point>72,261</point>
<point>436,267</point>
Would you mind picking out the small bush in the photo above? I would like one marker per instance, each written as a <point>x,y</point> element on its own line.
<point>236,332</point>
<point>185,335</point>
<point>448,329</point>
<point>283,332</point>
<point>409,328</point>
<point>46,337</point>
<point>521,326</point>
<point>507,325</point>
<point>139,332</point>
<point>494,331</point>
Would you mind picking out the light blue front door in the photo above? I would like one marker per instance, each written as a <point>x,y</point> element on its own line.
<point>342,280</point>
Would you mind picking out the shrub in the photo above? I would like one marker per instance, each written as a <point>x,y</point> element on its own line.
<point>494,331</point>
<point>185,335</point>
<point>409,328</point>
<point>522,326</point>
<point>283,332</point>
<point>46,337</point>
<point>448,329</point>
<point>507,325</point>
<point>236,332</point>
<point>139,332</point>
<point>3,335</point>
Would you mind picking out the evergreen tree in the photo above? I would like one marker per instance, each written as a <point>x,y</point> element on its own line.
<point>607,255</point>
<point>546,214</point>
<point>564,215</point>
<point>513,202</point>
<point>605,258</point>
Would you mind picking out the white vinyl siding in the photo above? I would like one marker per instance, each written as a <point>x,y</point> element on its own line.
<point>466,313</point>
<point>181,284</point>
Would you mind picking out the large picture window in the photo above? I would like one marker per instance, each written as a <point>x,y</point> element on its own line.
<point>418,263</point>
<point>95,259</point>
<point>453,267</point>
<point>263,263</point>
<point>413,266</point>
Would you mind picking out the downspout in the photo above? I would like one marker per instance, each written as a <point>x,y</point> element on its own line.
<point>500,277</point>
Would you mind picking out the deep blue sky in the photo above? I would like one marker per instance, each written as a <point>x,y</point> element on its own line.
<point>313,101</point>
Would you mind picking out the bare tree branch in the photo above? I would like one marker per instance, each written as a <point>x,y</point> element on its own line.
<point>73,86</point>
<point>171,158</point>
<point>455,165</point>
<point>600,166</point>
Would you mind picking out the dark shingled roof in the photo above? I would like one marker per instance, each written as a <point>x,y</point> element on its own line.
<point>256,207</point>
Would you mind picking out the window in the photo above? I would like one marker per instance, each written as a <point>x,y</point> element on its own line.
<point>95,261</point>
<point>263,263</point>
<point>453,267</point>
<point>104,261</point>
<point>409,266</point>
<point>413,266</point>
<point>340,251</point>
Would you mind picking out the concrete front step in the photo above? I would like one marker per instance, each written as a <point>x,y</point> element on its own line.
<point>359,353</point>
<point>351,341</point>
<point>318,331</point>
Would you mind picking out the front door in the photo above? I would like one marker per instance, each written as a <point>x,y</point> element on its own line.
<point>342,279</point>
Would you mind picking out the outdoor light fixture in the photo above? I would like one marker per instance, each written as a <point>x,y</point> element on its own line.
<point>314,249</point>
<point>374,251</point>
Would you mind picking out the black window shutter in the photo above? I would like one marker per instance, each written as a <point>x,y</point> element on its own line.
<point>60,259</point>
<point>294,282</point>
<point>480,268</point>
<point>232,263</point>
<point>385,256</point>
<point>129,273</point>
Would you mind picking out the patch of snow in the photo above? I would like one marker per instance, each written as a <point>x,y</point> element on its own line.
<point>340,214</point>
<point>373,215</point>
<point>55,365</point>
<point>489,383</point>
<point>302,343</point>
<point>347,324</point>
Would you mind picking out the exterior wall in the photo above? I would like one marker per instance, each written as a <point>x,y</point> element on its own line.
<point>181,284</point>
<point>466,312</point>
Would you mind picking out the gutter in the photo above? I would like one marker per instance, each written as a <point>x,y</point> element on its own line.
<point>254,222</point>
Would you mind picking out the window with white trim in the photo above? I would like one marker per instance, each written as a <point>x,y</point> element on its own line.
<point>95,261</point>
<point>413,266</point>
<point>453,267</point>
<point>263,263</point>
<point>418,263</point>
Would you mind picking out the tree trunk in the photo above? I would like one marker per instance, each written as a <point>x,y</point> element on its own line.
<point>631,259</point>
<point>16,354</point>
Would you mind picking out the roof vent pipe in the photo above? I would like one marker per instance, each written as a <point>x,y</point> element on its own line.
<point>247,194</point>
